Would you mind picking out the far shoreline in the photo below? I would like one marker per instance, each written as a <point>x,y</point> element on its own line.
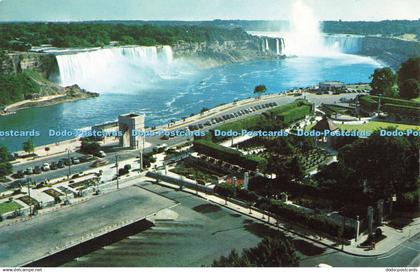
<point>46,101</point>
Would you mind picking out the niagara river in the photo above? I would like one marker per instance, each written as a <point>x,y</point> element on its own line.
<point>173,94</point>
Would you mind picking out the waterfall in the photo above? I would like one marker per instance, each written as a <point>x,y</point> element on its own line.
<point>267,47</point>
<point>350,44</point>
<point>278,46</point>
<point>117,68</point>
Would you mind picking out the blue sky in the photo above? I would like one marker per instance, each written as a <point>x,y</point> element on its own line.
<point>70,10</point>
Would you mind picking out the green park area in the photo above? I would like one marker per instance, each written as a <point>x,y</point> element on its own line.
<point>9,206</point>
<point>372,126</point>
<point>375,125</point>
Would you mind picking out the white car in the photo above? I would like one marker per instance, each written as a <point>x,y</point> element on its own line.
<point>45,166</point>
<point>322,265</point>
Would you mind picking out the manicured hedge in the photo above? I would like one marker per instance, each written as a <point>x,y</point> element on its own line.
<point>396,101</point>
<point>295,114</point>
<point>313,221</point>
<point>248,123</point>
<point>229,155</point>
<point>408,107</point>
<point>402,110</point>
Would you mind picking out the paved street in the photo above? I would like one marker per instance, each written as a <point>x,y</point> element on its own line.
<point>407,254</point>
<point>27,241</point>
<point>200,231</point>
<point>196,233</point>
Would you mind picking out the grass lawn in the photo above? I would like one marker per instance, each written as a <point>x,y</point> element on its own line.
<point>9,207</point>
<point>373,125</point>
<point>188,171</point>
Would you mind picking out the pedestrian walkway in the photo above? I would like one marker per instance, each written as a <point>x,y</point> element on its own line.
<point>394,237</point>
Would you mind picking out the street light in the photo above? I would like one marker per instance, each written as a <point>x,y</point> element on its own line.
<point>379,103</point>
<point>69,162</point>
<point>116,169</point>
<point>28,181</point>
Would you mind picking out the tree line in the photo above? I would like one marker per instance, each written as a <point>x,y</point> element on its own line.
<point>21,36</point>
<point>405,83</point>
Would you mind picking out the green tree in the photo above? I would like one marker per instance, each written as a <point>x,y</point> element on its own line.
<point>383,82</point>
<point>409,69</point>
<point>125,39</point>
<point>270,252</point>
<point>5,169</point>
<point>28,146</point>
<point>224,190</point>
<point>90,147</point>
<point>409,78</point>
<point>410,88</point>
<point>296,168</point>
<point>5,166</point>
<point>383,165</point>
<point>4,154</point>
<point>259,90</point>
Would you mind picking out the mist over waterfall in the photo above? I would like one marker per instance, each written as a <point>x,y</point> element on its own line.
<point>304,37</point>
<point>117,69</point>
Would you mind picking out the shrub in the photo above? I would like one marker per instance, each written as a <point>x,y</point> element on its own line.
<point>378,232</point>
<point>229,155</point>
<point>313,221</point>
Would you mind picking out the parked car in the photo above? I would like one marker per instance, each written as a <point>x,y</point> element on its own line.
<point>67,162</point>
<point>86,158</point>
<point>60,164</point>
<point>29,171</point>
<point>20,174</point>
<point>53,166</point>
<point>160,147</point>
<point>75,160</point>
<point>45,166</point>
<point>101,154</point>
<point>37,170</point>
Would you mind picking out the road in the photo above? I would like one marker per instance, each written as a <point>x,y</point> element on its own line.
<point>125,154</point>
<point>406,254</point>
<point>33,239</point>
<point>202,231</point>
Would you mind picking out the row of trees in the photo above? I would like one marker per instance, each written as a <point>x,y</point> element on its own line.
<point>20,36</point>
<point>275,251</point>
<point>386,28</point>
<point>5,165</point>
<point>374,168</point>
<point>405,83</point>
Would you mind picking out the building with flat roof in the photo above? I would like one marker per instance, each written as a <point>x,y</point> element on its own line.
<point>331,85</point>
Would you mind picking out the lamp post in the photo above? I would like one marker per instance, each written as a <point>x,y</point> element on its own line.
<point>69,162</point>
<point>379,103</point>
<point>28,181</point>
<point>116,169</point>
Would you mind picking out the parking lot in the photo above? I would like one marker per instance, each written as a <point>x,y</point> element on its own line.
<point>244,111</point>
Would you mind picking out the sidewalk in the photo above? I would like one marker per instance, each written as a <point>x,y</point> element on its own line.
<point>393,240</point>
